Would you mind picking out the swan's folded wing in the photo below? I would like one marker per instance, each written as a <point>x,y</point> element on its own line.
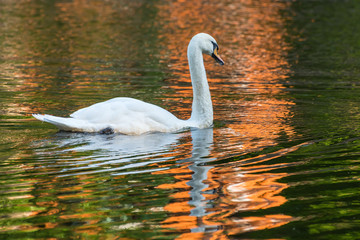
<point>129,116</point>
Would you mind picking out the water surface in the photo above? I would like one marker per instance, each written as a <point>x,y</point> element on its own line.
<point>281,161</point>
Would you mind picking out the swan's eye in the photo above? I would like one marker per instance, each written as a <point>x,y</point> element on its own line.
<point>215,46</point>
<point>216,56</point>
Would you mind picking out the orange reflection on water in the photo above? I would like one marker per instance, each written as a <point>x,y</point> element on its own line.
<point>240,192</point>
<point>254,191</point>
<point>248,93</point>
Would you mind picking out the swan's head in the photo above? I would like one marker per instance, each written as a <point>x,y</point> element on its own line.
<point>208,46</point>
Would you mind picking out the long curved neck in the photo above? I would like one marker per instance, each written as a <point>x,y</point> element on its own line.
<point>202,112</point>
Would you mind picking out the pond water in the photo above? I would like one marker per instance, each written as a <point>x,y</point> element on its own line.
<point>281,161</point>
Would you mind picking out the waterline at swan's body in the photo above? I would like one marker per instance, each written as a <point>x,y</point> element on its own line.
<point>131,116</point>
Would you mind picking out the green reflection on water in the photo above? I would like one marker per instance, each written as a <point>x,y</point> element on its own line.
<point>325,82</point>
<point>325,58</point>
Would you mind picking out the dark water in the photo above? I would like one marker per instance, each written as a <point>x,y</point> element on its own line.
<point>281,161</point>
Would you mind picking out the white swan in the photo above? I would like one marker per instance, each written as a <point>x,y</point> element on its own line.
<point>133,117</point>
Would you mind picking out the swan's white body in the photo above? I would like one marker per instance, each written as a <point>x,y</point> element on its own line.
<point>133,117</point>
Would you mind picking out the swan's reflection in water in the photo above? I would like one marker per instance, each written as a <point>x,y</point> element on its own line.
<point>82,153</point>
<point>202,141</point>
<point>116,143</point>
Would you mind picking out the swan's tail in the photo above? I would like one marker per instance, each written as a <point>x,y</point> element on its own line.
<point>66,124</point>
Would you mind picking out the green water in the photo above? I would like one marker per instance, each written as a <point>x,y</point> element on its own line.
<point>281,161</point>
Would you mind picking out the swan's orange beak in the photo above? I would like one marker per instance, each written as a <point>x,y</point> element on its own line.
<point>216,56</point>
